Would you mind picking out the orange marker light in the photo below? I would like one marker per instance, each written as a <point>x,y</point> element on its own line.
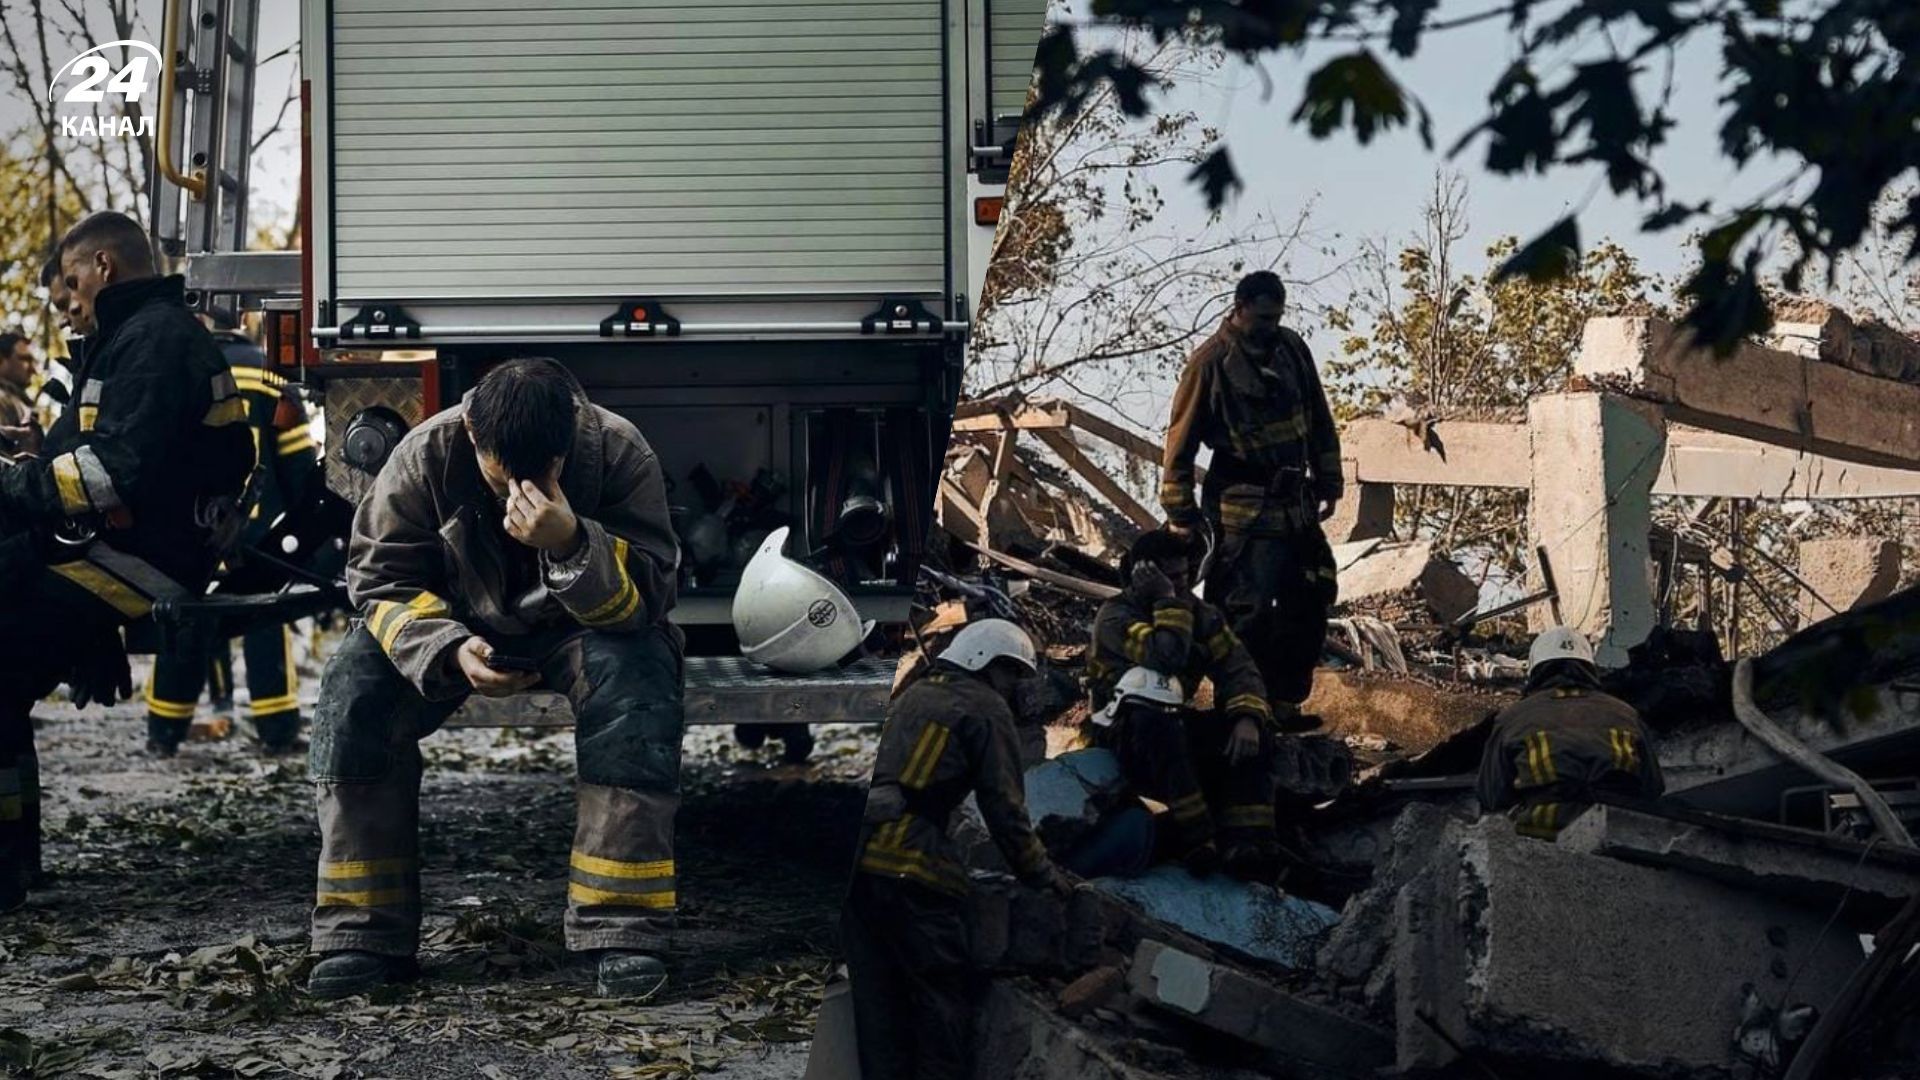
<point>986,209</point>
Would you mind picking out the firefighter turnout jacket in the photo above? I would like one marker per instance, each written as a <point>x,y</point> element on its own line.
<point>946,735</point>
<point>155,439</point>
<point>430,565</point>
<point>1273,438</point>
<point>1553,750</point>
<point>1179,636</point>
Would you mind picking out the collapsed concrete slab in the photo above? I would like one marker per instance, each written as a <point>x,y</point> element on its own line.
<point>1410,715</point>
<point>1253,921</point>
<point>1522,950</point>
<point>1407,582</point>
<point>1846,573</point>
<point>1354,961</point>
<point>1296,1031</point>
<point>1807,868</point>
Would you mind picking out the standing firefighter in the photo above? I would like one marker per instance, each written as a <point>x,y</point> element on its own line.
<point>904,926</point>
<point>1152,645</point>
<point>1554,750</point>
<point>518,539</point>
<point>1251,394</point>
<point>131,500</point>
<point>288,465</point>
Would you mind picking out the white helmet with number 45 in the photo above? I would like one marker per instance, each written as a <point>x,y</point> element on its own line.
<point>790,617</point>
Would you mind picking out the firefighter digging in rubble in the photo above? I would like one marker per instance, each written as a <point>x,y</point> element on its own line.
<point>947,735</point>
<point>1566,741</point>
<point>131,500</point>
<point>519,539</point>
<point>1213,769</point>
<point>1251,394</point>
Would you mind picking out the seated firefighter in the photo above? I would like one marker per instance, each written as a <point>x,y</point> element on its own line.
<point>949,734</point>
<point>131,499</point>
<point>518,539</point>
<point>1565,742</point>
<point>1213,769</point>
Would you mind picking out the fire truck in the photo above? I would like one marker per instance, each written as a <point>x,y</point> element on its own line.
<point>756,229</point>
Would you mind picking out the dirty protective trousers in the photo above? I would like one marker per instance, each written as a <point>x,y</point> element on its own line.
<point>1178,757</point>
<point>625,689</point>
<point>911,978</point>
<point>173,692</point>
<point>1275,590</point>
<point>44,627</point>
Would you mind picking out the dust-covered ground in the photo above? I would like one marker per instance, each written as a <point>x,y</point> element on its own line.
<point>173,940</point>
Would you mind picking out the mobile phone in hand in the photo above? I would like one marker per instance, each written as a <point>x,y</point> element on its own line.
<point>503,662</point>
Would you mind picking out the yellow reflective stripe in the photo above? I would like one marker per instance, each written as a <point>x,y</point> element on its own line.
<point>365,898</point>
<point>105,586</point>
<point>1176,494</point>
<point>169,710</point>
<point>302,444</point>
<point>1220,645</point>
<point>344,871</point>
<point>941,874</point>
<point>1189,807</point>
<point>925,757</point>
<point>613,868</point>
<point>1252,703</point>
<point>1173,618</point>
<point>587,894</point>
<point>625,600</point>
<point>264,706</point>
<point>1136,647</point>
<point>66,478</point>
<point>1546,759</point>
<point>1247,816</point>
<point>1533,759</point>
<point>232,410</point>
<point>89,416</point>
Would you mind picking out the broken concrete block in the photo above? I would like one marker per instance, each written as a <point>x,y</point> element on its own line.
<point>1412,715</point>
<point>1523,950</point>
<point>1013,928</point>
<point>1355,956</point>
<point>1751,860</point>
<point>1245,1008</point>
<point>1018,1036</point>
<point>1365,513</point>
<point>1847,573</point>
<point>1407,583</point>
<point>1252,920</point>
<point>1091,991</point>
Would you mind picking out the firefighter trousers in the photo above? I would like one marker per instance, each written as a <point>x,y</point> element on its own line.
<point>625,690</point>
<point>273,706</point>
<point>913,985</point>
<point>1178,757</point>
<point>42,629</point>
<point>1275,591</point>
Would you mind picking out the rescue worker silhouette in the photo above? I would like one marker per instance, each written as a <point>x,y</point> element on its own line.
<point>1566,741</point>
<point>947,735</point>
<point>133,498</point>
<point>518,539</point>
<point>1251,393</point>
<point>289,465</point>
<point>1214,768</point>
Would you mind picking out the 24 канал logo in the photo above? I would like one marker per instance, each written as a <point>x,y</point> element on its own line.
<point>91,77</point>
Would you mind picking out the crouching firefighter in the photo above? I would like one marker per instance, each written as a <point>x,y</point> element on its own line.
<point>131,500</point>
<point>518,539</point>
<point>1213,769</point>
<point>904,930</point>
<point>1553,751</point>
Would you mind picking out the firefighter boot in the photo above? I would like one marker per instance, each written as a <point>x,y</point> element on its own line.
<point>627,974</point>
<point>165,734</point>
<point>349,972</point>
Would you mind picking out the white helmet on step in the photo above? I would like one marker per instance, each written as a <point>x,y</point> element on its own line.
<point>981,643</point>
<point>1559,643</point>
<point>1148,685</point>
<point>791,618</point>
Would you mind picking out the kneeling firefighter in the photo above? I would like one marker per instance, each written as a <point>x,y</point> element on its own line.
<point>1152,645</point>
<point>1566,741</point>
<point>904,930</point>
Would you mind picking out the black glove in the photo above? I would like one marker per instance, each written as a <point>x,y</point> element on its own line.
<point>101,675</point>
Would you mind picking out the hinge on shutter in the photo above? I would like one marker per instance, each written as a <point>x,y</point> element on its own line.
<point>380,322</point>
<point>901,315</point>
<point>640,318</point>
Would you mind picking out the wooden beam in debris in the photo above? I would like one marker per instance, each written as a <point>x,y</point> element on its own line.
<point>1698,464</point>
<point>958,515</point>
<point>1063,445</point>
<point>1052,577</point>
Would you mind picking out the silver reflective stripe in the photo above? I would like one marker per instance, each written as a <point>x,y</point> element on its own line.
<point>94,475</point>
<point>224,386</point>
<point>90,393</point>
<point>134,571</point>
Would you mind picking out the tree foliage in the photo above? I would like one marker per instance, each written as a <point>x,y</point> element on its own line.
<point>1828,84</point>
